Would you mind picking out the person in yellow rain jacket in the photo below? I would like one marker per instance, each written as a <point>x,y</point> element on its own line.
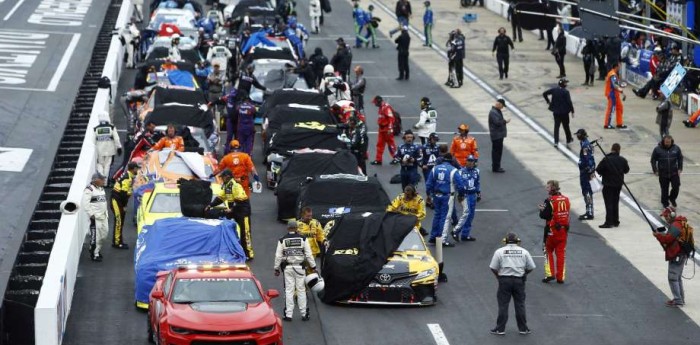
<point>409,203</point>
<point>233,194</point>
<point>310,228</point>
<point>120,198</point>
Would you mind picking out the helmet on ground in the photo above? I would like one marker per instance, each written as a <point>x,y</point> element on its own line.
<point>669,213</point>
<point>314,282</point>
<point>328,69</point>
<point>433,136</point>
<point>370,7</point>
<point>235,144</point>
<point>463,127</point>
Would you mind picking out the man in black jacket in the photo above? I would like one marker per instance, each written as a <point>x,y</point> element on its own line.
<point>402,44</point>
<point>500,48</point>
<point>342,59</point>
<point>612,168</point>
<point>317,62</point>
<point>667,164</point>
<point>560,105</point>
<point>560,51</point>
<point>498,131</point>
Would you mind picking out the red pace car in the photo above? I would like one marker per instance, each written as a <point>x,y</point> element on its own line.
<point>212,304</point>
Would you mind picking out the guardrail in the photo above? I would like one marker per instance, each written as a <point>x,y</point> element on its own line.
<point>56,295</point>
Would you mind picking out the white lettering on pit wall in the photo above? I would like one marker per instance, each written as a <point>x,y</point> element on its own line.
<point>60,12</point>
<point>18,51</point>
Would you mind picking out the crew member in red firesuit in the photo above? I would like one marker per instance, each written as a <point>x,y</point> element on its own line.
<point>246,122</point>
<point>385,120</point>
<point>555,211</point>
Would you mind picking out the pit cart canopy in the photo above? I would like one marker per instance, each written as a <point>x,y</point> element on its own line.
<point>162,95</point>
<point>301,165</point>
<point>189,55</point>
<point>359,245</point>
<point>332,196</point>
<point>177,241</point>
<point>184,115</point>
<point>299,96</point>
<point>295,136</point>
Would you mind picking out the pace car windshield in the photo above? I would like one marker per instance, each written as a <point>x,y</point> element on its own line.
<point>166,203</point>
<point>412,241</point>
<point>197,290</point>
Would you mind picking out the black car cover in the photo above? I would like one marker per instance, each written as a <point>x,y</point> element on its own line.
<point>534,21</point>
<point>184,115</point>
<point>270,53</point>
<point>299,166</point>
<point>332,196</point>
<point>295,113</point>
<point>164,95</point>
<point>298,96</point>
<point>252,8</point>
<point>195,195</point>
<point>295,136</point>
<point>189,55</point>
<point>358,246</point>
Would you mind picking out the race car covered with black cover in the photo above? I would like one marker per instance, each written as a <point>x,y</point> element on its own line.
<point>295,136</point>
<point>295,113</point>
<point>189,55</point>
<point>182,114</point>
<point>301,165</point>
<point>174,94</point>
<point>288,96</point>
<point>378,258</point>
<point>332,196</point>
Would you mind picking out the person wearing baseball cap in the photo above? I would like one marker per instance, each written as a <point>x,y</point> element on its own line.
<point>241,165</point>
<point>561,106</point>
<point>498,132</point>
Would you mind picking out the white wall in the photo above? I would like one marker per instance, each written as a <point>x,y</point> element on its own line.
<point>56,295</point>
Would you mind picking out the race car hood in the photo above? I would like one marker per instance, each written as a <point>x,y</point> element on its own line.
<point>250,317</point>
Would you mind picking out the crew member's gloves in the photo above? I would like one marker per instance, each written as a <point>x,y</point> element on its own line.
<point>256,178</point>
<point>277,273</point>
<point>478,197</point>
<point>119,151</point>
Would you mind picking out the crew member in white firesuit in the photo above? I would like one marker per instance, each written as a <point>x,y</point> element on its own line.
<point>131,37</point>
<point>333,86</point>
<point>427,122</point>
<point>107,144</point>
<point>315,15</point>
<point>94,203</point>
<point>174,50</point>
<point>293,251</point>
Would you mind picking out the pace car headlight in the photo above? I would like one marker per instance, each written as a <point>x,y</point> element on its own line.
<point>425,274</point>
<point>263,330</point>
<point>180,330</point>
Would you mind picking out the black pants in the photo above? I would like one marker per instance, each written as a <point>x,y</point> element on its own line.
<point>459,70</point>
<point>587,62</point>
<point>503,61</point>
<point>559,58</point>
<point>675,182</point>
<point>602,70</point>
<point>511,287</point>
<point>663,125</point>
<point>550,39</point>
<point>562,119</point>
<point>611,196</point>
<point>517,30</point>
<point>119,202</point>
<point>403,65</point>
<point>361,161</point>
<point>496,153</point>
<point>241,214</point>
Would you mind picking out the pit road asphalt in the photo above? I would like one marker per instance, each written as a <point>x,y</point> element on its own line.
<point>606,300</point>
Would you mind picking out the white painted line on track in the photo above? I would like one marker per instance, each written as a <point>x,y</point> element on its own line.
<point>490,210</point>
<point>12,11</point>
<point>575,315</point>
<point>363,61</point>
<point>64,63</point>
<point>438,334</point>
<point>474,133</point>
<point>513,108</point>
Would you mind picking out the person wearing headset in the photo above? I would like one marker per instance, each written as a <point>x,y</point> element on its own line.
<point>427,122</point>
<point>410,156</point>
<point>511,264</point>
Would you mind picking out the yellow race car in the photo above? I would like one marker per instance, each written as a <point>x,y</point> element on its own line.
<point>163,201</point>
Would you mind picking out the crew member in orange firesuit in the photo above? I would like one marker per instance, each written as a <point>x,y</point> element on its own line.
<point>613,90</point>
<point>464,145</point>
<point>385,120</point>
<point>170,141</point>
<point>555,211</point>
<point>241,165</point>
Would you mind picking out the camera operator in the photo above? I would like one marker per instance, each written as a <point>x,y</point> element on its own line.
<point>333,87</point>
<point>676,256</point>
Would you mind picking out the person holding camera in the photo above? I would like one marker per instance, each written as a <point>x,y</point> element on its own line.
<point>511,264</point>
<point>333,87</point>
<point>410,156</point>
<point>293,250</point>
<point>675,252</point>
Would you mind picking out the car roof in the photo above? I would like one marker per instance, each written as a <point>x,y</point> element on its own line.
<point>205,273</point>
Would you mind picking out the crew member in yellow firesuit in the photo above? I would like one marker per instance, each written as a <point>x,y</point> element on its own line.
<point>233,194</point>
<point>120,197</point>
<point>310,228</point>
<point>409,203</point>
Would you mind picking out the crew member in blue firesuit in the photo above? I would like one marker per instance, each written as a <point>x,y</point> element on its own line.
<point>290,31</point>
<point>472,184</point>
<point>410,156</point>
<point>246,122</point>
<point>442,185</point>
<point>431,153</point>
<point>360,19</point>
<point>586,168</point>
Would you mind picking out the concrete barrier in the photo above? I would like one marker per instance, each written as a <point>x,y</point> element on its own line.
<point>53,306</point>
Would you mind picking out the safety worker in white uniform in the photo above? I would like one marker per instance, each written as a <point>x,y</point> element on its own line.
<point>293,251</point>
<point>107,144</point>
<point>333,86</point>
<point>221,55</point>
<point>174,50</point>
<point>94,203</point>
<point>131,37</point>
<point>511,264</point>
<point>427,122</point>
<point>315,15</point>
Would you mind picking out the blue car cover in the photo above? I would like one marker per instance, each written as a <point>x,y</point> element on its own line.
<point>182,78</point>
<point>180,241</point>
